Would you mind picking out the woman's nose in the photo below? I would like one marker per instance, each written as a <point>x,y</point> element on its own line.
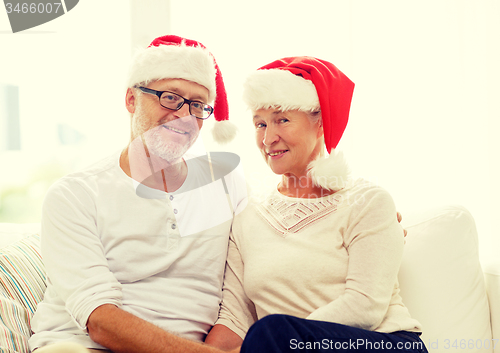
<point>270,136</point>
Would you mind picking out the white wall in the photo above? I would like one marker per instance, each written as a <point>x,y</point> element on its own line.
<point>70,71</point>
<point>425,113</point>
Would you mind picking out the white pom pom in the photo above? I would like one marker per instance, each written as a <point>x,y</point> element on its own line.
<point>330,172</point>
<point>224,131</point>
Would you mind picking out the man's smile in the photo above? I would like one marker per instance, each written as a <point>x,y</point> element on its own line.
<point>182,132</point>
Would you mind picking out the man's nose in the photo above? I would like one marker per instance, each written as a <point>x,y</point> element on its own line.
<point>184,111</point>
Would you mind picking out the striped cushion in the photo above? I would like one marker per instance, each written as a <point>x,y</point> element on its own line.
<point>22,284</point>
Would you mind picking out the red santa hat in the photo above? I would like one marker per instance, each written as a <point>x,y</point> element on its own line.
<point>176,57</point>
<point>308,84</point>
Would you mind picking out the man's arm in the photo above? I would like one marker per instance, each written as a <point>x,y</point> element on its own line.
<point>123,332</point>
<point>224,338</point>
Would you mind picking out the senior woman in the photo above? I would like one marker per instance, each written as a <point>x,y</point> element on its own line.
<point>314,266</point>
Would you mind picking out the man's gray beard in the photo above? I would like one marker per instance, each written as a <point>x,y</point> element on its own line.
<point>157,145</point>
<point>165,149</point>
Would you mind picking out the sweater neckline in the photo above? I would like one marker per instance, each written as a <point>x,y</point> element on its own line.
<point>276,194</point>
<point>287,215</point>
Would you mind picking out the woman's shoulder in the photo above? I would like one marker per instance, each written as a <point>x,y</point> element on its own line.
<point>363,192</point>
<point>362,185</point>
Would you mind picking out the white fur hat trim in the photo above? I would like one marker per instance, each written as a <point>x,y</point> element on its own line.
<point>224,131</point>
<point>264,89</point>
<point>173,61</point>
<point>330,172</point>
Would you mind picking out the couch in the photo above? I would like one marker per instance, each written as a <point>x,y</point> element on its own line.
<point>441,280</point>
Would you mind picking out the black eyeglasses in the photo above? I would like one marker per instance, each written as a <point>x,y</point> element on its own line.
<point>173,101</point>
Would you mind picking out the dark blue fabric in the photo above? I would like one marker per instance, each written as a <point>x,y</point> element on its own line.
<point>283,333</point>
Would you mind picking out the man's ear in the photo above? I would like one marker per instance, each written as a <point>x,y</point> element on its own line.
<point>130,100</point>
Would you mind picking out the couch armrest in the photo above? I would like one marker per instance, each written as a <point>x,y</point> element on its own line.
<point>492,279</point>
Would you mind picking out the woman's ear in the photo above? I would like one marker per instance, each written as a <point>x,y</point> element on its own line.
<point>320,128</point>
<point>130,100</point>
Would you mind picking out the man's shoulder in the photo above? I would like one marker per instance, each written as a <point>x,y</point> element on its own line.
<point>87,176</point>
<point>97,167</point>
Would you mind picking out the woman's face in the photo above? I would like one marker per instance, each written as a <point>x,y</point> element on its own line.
<point>288,140</point>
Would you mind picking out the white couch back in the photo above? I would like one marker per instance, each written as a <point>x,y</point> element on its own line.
<point>12,232</point>
<point>442,282</point>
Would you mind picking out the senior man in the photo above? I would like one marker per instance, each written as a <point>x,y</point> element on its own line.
<point>135,246</point>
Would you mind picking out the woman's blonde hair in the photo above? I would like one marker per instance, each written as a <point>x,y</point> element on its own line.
<point>315,117</point>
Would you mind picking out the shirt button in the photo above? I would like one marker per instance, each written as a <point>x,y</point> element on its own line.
<point>174,226</point>
<point>175,211</point>
<point>171,197</point>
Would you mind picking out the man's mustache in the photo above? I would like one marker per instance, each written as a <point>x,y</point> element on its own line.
<point>187,123</point>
